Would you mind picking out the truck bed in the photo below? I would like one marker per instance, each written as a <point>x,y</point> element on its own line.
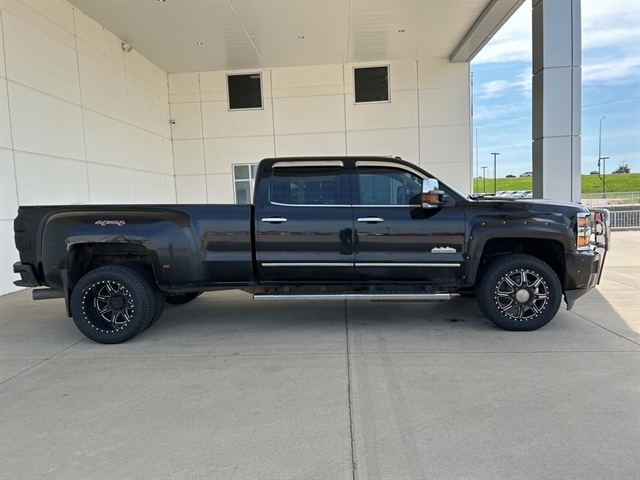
<point>189,244</point>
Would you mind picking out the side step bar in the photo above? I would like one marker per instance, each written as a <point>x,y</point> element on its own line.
<point>390,297</point>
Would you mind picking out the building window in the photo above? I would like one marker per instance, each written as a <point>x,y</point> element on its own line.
<point>245,91</point>
<point>244,179</point>
<point>371,84</point>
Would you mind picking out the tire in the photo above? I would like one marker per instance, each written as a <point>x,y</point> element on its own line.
<point>183,298</point>
<point>519,293</point>
<point>125,297</point>
<point>160,299</point>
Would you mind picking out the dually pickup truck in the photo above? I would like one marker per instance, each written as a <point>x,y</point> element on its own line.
<point>370,228</point>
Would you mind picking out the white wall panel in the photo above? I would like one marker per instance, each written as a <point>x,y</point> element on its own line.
<point>170,188</point>
<point>400,112</point>
<point>402,142</point>
<point>167,156</point>
<point>149,187</point>
<point>218,121</point>
<point>52,173</point>
<point>184,88</point>
<point>440,73</point>
<point>107,140</point>
<point>59,12</point>
<point>220,188</point>
<point>35,59</point>
<point>3,72</point>
<point>457,175</point>
<point>41,22</point>
<point>307,81</point>
<point>191,189</point>
<point>5,122</point>
<point>165,119</point>
<point>221,153</point>
<point>8,191</point>
<point>309,114</point>
<point>44,124</point>
<point>146,151</point>
<point>444,144</point>
<point>99,57</point>
<point>142,67</point>
<point>109,184</point>
<point>98,37</point>
<point>444,106</point>
<point>188,121</point>
<point>317,143</point>
<point>213,87</point>
<point>8,256</point>
<point>103,90</point>
<point>188,157</point>
<point>144,108</point>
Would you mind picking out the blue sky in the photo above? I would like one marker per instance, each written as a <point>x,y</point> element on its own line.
<point>611,88</point>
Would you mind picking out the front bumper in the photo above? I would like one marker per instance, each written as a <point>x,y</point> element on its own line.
<point>584,267</point>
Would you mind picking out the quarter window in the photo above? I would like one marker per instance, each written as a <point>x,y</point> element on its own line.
<point>388,186</point>
<point>244,178</point>
<point>308,186</point>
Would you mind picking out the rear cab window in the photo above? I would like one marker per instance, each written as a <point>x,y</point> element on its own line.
<point>313,183</point>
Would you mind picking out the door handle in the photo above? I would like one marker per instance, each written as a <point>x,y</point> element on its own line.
<point>371,219</point>
<point>274,220</point>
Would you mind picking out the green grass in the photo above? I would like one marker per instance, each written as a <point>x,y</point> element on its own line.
<point>629,182</point>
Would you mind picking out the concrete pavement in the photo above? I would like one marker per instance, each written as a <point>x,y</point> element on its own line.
<point>224,388</point>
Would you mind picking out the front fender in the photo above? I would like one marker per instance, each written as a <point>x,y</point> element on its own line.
<point>539,227</point>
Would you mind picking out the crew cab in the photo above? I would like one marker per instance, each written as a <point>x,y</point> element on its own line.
<point>369,228</point>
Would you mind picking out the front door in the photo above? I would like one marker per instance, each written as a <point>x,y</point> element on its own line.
<point>395,238</point>
<point>304,223</point>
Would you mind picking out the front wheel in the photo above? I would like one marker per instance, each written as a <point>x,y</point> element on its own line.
<point>519,292</point>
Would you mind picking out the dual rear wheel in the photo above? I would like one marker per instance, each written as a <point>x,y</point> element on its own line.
<point>114,303</point>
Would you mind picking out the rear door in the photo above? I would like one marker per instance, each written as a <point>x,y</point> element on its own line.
<point>304,222</point>
<point>396,240</point>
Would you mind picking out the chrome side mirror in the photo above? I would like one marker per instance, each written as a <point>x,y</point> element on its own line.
<point>431,194</point>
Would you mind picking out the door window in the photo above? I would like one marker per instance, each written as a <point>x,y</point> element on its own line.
<point>307,186</point>
<point>388,186</point>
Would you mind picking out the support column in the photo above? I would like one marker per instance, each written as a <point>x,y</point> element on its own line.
<point>557,82</point>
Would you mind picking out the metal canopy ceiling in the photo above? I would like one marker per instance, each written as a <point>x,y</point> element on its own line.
<point>244,34</point>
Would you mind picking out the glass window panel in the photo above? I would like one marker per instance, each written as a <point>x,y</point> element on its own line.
<point>241,172</point>
<point>254,171</point>
<point>243,192</point>
<point>308,186</point>
<point>388,186</point>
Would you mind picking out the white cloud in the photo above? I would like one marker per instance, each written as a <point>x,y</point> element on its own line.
<point>605,24</point>
<point>612,71</point>
<point>496,88</point>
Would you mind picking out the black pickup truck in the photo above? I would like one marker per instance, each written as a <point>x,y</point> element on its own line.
<point>371,228</point>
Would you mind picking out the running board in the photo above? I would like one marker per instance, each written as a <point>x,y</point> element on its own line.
<point>389,297</point>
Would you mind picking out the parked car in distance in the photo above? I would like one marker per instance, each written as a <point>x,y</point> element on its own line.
<point>594,172</point>
<point>527,174</point>
<point>510,176</point>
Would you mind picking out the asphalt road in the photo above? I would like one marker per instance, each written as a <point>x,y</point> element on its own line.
<point>224,388</point>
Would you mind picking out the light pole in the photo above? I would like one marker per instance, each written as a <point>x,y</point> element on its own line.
<point>484,179</point>
<point>600,142</point>
<point>604,173</point>
<point>495,157</point>
<point>602,159</point>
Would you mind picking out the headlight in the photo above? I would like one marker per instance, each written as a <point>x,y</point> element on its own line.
<point>583,233</point>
